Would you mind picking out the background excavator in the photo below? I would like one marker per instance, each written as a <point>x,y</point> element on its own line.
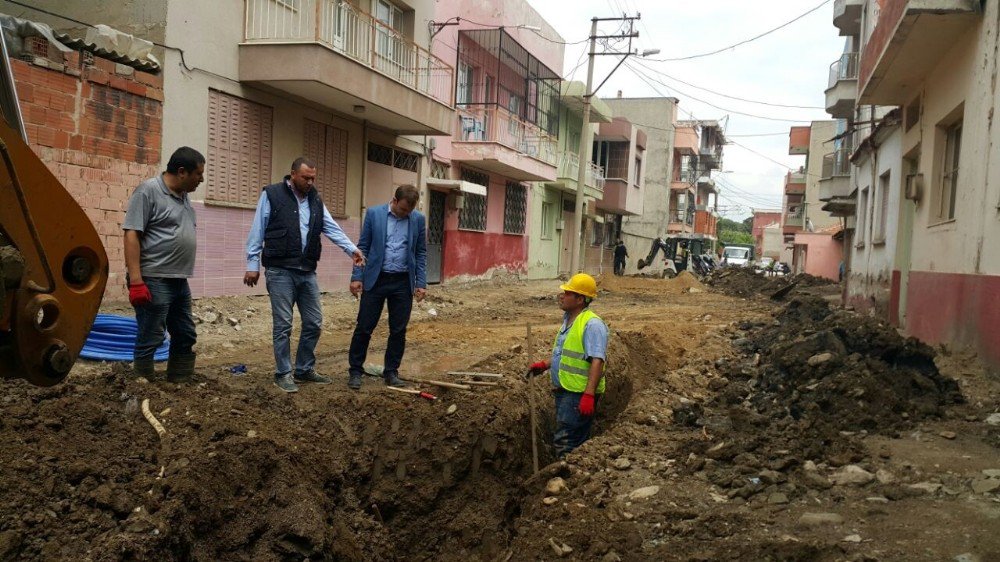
<point>678,250</point>
<point>53,267</point>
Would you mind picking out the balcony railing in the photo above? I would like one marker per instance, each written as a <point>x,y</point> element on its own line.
<point>844,68</point>
<point>353,33</point>
<point>569,167</point>
<point>837,164</point>
<point>496,124</point>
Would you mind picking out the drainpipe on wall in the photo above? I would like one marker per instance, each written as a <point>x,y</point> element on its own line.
<point>364,167</point>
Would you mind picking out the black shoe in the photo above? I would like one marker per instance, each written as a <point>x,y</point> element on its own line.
<point>311,376</point>
<point>354,382</point>
<point>286,383</point>
<point>394,380</point>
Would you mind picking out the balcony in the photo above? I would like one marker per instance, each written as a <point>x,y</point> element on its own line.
<point>795,182</point>
<point>568,173</point>
<point>710,157</point>
<point>334,55</point>
<point>793,221</point>
<point>706,185</point>
<point>835,180</point>
<point>705,222</point>
<point>842,92</point>
<point>798,140</point>
<point>847,16</point>
<point>496,140</point>
<point>680,220</point>
<point>909,40</point>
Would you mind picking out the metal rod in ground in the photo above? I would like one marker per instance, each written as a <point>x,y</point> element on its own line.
<point>448,384</point>
<point>475,374</point>
<point>479,383</point>
<point>531,406</point>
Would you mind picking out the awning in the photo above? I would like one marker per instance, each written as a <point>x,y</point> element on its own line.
<point>461,186</point>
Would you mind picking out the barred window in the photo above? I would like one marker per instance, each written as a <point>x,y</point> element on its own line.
<point>381,154</point>
<point>597,234</point>
<point>473,213</point>
<point>515,208</point>
<point>439,170</point>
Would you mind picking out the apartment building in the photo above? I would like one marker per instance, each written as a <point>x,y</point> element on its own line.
<point>923,191</point>
<point>766,232</point>
<point>656,117</point>
<point>503,136</point>
<point>698,148</point>
<point>553,204</point>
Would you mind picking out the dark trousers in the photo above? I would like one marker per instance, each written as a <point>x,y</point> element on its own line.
<point>170,312</point>
<point>620,266</point>
<point>394,289</point>
<point>572,428</point>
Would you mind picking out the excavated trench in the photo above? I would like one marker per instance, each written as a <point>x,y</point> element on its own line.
<point>249,475</point>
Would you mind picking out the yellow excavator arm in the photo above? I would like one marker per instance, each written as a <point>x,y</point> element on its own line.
<point>53,267</point>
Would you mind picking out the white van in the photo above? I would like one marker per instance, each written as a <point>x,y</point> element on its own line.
<point>736,255</point>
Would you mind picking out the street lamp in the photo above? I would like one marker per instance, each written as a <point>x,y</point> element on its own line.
<point>586,137</point>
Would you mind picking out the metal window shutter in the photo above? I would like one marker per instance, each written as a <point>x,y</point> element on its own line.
<point>239,149</point>
<point>327,146</point>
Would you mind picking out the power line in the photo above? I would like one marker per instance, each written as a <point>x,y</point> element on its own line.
<point>737,98</point>
<point>681,93</point>
<point>782,133</point>
<point>745,41</point>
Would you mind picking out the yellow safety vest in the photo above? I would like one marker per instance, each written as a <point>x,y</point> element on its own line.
<point>574,369</point>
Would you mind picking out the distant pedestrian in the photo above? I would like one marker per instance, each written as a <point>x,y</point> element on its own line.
<point>394,237</point>
<point>621,252</point>
<point>160,246</point>
<point>286,229</point>
<point>577,363</point>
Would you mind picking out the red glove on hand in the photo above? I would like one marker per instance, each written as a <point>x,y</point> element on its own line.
<point>538,367</point>
<point>139,294</point>
<point>587,405</point>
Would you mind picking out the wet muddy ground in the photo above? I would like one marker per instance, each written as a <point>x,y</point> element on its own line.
<point>734,428</point>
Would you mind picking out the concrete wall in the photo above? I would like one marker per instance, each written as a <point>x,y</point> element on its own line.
<point>873,259</point>
<point>142,18</point>
<point>823,254</point>
<point>98,131</point>
<point>819,145</point>
<point>656,117</point>
<point>543,247</point>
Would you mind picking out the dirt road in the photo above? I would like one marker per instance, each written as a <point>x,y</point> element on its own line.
<point>733,429</point>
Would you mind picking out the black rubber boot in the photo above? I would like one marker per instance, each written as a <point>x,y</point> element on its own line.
<point>143,368</point>
<point>180,368</point>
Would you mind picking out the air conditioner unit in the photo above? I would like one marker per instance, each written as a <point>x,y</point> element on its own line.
<point>459,201</point>
<point>914,187</point>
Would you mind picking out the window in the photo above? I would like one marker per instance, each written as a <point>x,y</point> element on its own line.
<point>546,233</point>
<point>239,150</point>
<point>388,45</point>
<point>515,208</point>
<point>464,94</point>
<point>879,224</point>
<point>388,156</point>
<point>597,234</point>
<point>472,216</point>
<point>949,177</point>
<point>859,231</point>
<point>327,146</point>
<point>638,172</point>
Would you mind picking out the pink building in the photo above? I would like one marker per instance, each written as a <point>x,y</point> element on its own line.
<point>820,253</point>
<point>505,132</point>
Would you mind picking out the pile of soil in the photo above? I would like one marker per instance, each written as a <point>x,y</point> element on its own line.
<point>684,282</point>
<point>807,389</point>
<point>743,282</point>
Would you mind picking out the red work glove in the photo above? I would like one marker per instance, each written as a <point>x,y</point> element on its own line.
<point>139,294</point>
<point>538,367</point>
<point>587,405</point>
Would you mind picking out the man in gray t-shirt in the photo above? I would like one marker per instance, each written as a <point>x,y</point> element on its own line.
<point>160,245</point>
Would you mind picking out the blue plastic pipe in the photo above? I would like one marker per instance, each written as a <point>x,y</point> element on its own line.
<point>113,339</point>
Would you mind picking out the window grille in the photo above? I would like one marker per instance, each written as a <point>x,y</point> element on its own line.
<point>473,213</point>
<point>515,208</point>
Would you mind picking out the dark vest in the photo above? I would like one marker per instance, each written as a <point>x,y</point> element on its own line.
<point>282,238</point>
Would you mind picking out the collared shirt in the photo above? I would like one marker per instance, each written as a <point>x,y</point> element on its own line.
<point>167,224</point>
<point>255,242</point>
<point>397,236</point>
<point>595,344</point>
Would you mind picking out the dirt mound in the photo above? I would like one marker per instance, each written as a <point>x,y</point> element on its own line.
<point>743,282</point>
<point>683,283</point>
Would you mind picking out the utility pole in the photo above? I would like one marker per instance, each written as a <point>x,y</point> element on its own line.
<point>586,140</point>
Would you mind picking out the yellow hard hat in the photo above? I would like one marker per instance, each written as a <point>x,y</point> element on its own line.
<point>582,284</point>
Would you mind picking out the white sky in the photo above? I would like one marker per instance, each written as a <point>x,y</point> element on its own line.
<point>789,66</point>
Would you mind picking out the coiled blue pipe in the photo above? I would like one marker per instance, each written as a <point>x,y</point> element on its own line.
<point>113,339</point>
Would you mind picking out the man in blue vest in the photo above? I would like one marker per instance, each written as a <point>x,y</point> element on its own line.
<point>394,237</point>
<point>286,229</point>
<point>577,363</point>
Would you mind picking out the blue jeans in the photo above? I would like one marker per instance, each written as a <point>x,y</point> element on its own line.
<point>394,289</point>
<point>170,312</point>
<point>572,428</point>
<point>288,287</point>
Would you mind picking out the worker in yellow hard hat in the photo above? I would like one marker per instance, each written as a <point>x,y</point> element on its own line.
<point>577,363</point>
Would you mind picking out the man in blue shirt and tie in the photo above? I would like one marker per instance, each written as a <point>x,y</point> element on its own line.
<point>394,239</point>
<point>286,229</point>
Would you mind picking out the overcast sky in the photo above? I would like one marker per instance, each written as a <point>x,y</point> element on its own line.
<point>789,67</point>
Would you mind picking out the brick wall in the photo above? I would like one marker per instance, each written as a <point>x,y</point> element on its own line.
<point>98,128</point>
